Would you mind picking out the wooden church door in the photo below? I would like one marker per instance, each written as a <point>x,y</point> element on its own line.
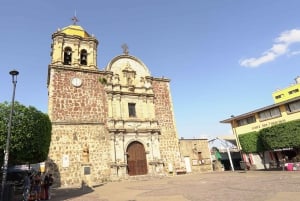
<point>136,159</point>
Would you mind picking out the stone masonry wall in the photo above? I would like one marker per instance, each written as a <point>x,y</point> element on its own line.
<point>78,116</point>
<point>164,114</point>
<point>86,103</point>
<point>197,150</point>
<point>70,141</point>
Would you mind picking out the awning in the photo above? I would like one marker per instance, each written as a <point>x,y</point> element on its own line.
<point>229,138</point>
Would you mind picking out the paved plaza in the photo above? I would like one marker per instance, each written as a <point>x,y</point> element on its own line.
<point>214,186</point>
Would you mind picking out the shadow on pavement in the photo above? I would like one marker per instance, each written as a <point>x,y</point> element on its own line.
<point>59,194</point>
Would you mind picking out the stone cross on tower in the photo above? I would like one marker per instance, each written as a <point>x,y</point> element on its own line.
<point>125,49</point>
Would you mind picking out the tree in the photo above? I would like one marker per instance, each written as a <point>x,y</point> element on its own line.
<point>281,136</point>
<point>30,134</point>
<point>284,135</point>
<point>251,142</point>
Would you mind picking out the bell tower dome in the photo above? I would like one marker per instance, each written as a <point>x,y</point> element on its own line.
<point>73,46</point>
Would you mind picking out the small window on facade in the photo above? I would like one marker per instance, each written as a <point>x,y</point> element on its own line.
<point>131,109</point>
<point>294,91</point>
<point>279,96</point>
<point>83,57</point>
<point>200,156</point>
<point>268,114</point>
<point>293,107</point>
<point>67,56</point>
<point>245,121</point>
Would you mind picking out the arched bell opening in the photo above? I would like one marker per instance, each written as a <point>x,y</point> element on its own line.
<point>83,57</point>
<point>67,56</point>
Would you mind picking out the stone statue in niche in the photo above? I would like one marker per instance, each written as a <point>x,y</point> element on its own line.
<point>128,66</point>
<point>129,81</point>
<point>109,78</point>
<point>116,79</point>
<point>85,154</point>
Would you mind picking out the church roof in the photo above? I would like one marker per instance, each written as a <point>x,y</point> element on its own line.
<point>75,30</point>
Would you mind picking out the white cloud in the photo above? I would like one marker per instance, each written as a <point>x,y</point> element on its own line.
<point>291,36</point>
<point>280,47</point>
<point>255,62</point>
<point>294,53</point>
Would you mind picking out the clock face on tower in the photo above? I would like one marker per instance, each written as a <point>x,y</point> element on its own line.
<point>76,82</point>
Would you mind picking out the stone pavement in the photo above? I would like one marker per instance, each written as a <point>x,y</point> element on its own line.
<point>214,186</point>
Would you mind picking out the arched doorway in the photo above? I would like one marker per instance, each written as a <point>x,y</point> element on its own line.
<point>136,159</point>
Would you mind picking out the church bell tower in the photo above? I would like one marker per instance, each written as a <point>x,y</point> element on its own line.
<point>76,107</point>
<point>73,46</point>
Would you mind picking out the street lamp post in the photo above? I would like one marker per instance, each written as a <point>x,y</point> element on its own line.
<point>14,75</point>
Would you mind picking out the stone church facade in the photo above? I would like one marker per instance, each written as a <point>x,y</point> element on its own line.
<point>106,124</point>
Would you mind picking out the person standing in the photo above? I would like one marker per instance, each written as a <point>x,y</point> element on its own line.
<point>37,186</point>
<point>50,183</point>
<point>27,186</point>
<point>47,186</point>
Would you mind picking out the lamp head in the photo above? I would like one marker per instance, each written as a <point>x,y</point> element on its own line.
<point>14,72</point>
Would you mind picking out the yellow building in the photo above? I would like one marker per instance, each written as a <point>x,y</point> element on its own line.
<point>288,92</point>
<point>284,110</point>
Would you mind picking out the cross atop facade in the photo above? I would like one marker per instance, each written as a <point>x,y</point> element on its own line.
<point>75,20</point>
<point>125,49</point>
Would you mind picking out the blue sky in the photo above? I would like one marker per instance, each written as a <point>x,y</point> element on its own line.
<point>224,57</point>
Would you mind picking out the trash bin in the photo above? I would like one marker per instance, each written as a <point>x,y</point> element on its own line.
<point>243,165</point>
